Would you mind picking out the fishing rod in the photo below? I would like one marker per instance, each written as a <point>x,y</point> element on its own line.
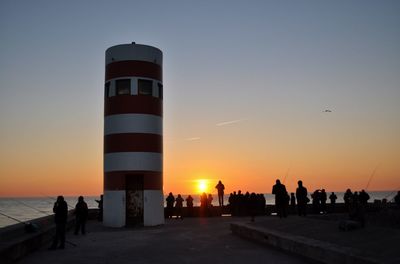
<point>370,178</point>
<point>40,211</point>
<point>54,199</point>
<point>29,226</point>
<point>390,194</point>
<point>12,218</point>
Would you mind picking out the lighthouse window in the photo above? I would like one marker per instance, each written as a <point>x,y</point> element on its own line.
<point>107,89</point>
<point>160,90</point>
<point>123,86</point>
<point>145,87</point>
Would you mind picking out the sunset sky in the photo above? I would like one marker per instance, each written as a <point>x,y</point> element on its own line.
<point>246,84</point>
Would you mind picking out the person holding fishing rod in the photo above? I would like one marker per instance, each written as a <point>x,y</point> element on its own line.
<point>60,210</point>
<point>281,198</point>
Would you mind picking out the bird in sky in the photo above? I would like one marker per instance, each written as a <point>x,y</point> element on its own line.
<point>327,111</point>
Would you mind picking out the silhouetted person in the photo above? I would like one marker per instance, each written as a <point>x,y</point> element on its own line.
<point>189,201</point>
<point>357,209</point>
<point>220,187</point>
<point>240,203</point>
<point>397,199</point>
<point>81,215</point>
<point>261,207</point>
<point>233,203</point>
<point>316,201</point>
<point>292,199</point>
<point>60,210</point>
<point>246,203</point>
<point>363,197</point>
<point>189,205</point>
<point>178,206</point>
<point>333,199</point>
<point>170,205</point>
<point>356,197</point>
<point>203,204</point>
<point>287,201</point>
<point>279,190</point>
<point>252,206</point>
<point>302,199</point>
<point>209,201</point>
<point>347,197</point>
<point>323,198</point>
<point>100,206</point>
<point>203,200</point>
<point>292,203</point>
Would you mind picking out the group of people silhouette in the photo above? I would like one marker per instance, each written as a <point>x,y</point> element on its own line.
<point>178,205</point>
<point>355,203</point>
<point>252,204</point>
<point>282,199</point>
<point>246,204</point>
<point>60,210</point>
<point>174,205</point>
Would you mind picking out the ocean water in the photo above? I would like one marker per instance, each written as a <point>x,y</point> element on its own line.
<point>25,209</point>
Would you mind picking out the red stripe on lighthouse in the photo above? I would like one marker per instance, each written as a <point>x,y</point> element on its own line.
<point>116,180</point>
<point>132,104</point>
<point>133,142</point>
<point>133,68</point>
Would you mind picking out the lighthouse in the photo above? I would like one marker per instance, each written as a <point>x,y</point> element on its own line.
<point>133,136</point>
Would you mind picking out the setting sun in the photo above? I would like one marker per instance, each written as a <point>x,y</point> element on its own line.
<point>202,185</point>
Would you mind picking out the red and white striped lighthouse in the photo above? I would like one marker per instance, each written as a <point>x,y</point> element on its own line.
<point>133,154</point>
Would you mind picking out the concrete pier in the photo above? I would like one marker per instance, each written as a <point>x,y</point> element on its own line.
<point>319,239</point>
<point>213,238</point>
<point>191,240</point>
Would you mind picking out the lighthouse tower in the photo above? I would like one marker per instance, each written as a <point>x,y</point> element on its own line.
<point>133,154</point>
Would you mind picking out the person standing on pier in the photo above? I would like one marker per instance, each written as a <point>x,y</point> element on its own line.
<point>347,198</point>
<point>363,197</point>
<point>178,206</point>
<point>60,210</point>
<point>220,187</point>
<point>302,199</point>
<point>333,199</point>
<point>281,200</point>
<point>100,206</point>
<point>323,198</point>
<point>170,205</point>
<point>81,213</point>
<point>189,205</point>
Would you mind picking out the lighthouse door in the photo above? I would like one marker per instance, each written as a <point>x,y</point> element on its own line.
<point>134,199</point>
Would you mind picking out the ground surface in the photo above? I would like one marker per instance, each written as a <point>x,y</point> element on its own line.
<point>373,241</point>
<point>192,240</point>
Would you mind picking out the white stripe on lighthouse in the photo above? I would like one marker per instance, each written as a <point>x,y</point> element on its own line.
<point>114,206</point>
<point>153,213</point>
<point>132,161</point>
<point>132,123</point>
<point>137,52</point>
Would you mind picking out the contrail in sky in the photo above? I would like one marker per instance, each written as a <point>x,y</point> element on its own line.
<point>230,122</point>
<point>192,139</point>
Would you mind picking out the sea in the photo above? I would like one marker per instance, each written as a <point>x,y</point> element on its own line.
<point>23,209</point>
